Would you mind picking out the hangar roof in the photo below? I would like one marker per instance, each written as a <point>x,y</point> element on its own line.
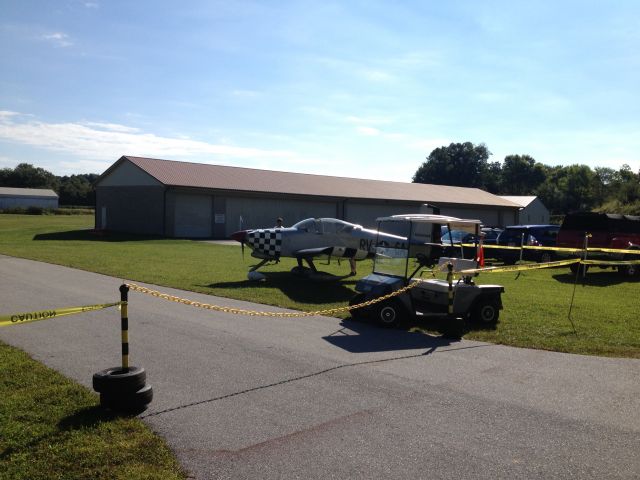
<point>27,192</point>
<point>522,200</point>
<point>198,175</point>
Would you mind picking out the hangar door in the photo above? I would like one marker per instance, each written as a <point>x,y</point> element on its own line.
<point>192,217</point>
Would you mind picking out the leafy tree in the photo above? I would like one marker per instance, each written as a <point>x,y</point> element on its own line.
<point>459,164</point>
<point>76,190</point>
<point>72,190</point>
<point>521,175</point>
<point>26,175</point>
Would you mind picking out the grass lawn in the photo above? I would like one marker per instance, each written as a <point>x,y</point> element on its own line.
<point>536,303</point>
<point>52,428</point>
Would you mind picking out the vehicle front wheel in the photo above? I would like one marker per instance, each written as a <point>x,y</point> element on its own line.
<point>391,314</point>
<point>575,267</point>
<point>486,312</point>
<point>358,313</point>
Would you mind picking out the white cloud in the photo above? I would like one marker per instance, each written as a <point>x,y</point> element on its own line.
<point>58,39</point>
<point>97,142</point>
<point>369,131</point>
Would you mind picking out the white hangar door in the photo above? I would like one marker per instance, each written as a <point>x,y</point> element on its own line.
<point>192,216</point>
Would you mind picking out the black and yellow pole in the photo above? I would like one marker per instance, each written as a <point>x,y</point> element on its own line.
<point>124,326</point>
<point>450,280</point>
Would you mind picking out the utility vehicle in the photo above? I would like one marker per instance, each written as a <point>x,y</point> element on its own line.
<point>405,263</point>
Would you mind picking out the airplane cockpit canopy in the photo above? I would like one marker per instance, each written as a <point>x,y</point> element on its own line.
<point>325,225</point>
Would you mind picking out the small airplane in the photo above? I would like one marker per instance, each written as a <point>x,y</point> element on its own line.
<point>311,238</point>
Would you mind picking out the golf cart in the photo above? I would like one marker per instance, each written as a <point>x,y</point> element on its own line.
<point>405,262</point>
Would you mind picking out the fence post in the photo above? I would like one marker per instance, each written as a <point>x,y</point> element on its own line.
<point>450,280</point>
<point>124,326</point>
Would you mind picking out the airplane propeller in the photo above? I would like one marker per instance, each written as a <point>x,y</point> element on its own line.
<point>240,237</point>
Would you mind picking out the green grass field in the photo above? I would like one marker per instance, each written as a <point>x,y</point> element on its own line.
<point>51,427</point>
<point>536,303</point>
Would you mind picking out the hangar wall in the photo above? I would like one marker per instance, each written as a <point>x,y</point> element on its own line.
<point>136,209</point>
<point>26,202</point>
<point>365,213</point>
<point>256,212</point>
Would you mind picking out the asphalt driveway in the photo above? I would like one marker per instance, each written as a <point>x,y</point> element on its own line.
<point>260,397</point>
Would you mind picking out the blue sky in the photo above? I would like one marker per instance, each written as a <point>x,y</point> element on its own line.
<point>349,88</point>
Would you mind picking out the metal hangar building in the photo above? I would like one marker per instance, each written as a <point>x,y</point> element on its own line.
<point>191,200</point>
<point>27,197</point>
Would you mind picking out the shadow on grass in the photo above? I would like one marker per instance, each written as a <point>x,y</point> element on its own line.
<point>363,337</point>
<point>89,417</point>
<point>92,236</point>
<point>595,278</point>
<point>299,289</point>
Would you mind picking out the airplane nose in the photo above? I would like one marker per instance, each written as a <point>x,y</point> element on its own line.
<point>240,236</point>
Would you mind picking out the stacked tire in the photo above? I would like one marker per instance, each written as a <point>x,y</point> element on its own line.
<point>123,390</point>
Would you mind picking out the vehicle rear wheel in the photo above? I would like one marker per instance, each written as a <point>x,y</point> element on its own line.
<point>391,313</point>
<point>629,271</point>
<point>486,312</point>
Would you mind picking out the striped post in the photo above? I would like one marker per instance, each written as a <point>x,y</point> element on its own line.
<point>124,326</point>
<point>582,267</point>
<point>450,280</point>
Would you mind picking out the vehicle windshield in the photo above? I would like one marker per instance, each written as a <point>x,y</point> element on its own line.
<point>392,260</point>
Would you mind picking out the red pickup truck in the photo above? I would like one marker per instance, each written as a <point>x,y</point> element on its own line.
<point>606,230</point>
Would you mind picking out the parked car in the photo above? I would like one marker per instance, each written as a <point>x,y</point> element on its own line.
<point>606,230</point>
<point>490,235</point>
<point>531,235</point>
<point>453,243</point>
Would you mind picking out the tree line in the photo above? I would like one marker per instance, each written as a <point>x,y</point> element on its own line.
<point>72,190</point>
<point>562,189</point>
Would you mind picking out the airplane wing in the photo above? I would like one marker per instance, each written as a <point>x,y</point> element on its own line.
<point>332,251</point>
<point>313,252</point>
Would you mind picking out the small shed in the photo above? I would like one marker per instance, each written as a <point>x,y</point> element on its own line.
<point>27,197</point>
<point>533,211</point>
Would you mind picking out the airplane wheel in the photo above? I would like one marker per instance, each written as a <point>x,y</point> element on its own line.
<point>115,380</point>
<point>390,314</point>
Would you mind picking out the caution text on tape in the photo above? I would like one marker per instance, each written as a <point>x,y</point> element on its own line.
<point>36,316</point>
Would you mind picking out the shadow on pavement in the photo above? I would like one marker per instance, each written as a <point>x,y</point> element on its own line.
<point>358,337</point>
<point>299,289</point>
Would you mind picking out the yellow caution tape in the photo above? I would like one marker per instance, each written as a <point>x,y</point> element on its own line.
<point>51,313</point>
<point>522,267</point>
<point>553,249</point>
<point>614,250</point>
<point>611,262</point>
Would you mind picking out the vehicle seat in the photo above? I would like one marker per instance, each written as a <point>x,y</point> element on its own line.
<point>459,264</point>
